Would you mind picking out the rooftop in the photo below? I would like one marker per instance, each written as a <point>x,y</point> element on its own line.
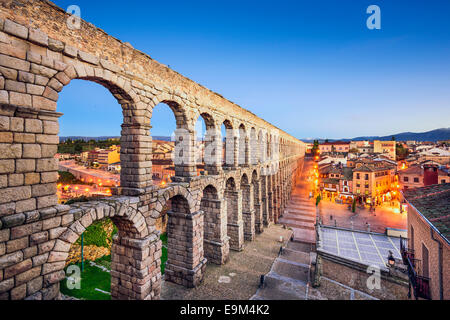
<point>335,143</point>
<point>433,202</point>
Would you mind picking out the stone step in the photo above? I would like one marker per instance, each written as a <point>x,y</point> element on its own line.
<point>299,247</point>
<point>296,256</point>
<point>292,270</point>
<point>305,236</point>
<point>281,288</point>
<point>301,218</point>
<point>298,225</point>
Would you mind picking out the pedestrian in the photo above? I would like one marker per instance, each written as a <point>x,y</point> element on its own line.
<point>331,217</point>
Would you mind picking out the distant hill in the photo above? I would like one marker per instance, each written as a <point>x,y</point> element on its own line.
<point>435,135</point>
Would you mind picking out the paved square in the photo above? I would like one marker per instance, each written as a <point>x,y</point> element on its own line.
<point>370,249</point>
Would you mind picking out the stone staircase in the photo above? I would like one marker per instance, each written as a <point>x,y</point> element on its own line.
<point>300,214</point>
<point>289,277</point>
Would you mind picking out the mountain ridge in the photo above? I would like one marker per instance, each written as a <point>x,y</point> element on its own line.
<point>433,136</point>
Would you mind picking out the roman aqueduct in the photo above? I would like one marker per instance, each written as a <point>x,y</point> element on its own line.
<point>210,214</point>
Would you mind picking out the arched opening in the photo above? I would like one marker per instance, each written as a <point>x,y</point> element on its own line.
<point>254,148</point>
<point>164,123</point>
<point>243,146</point>
<point>90,167</point>
<point>208,146</point>
<point>235,228</point>
<point>248,213</point>
<point>228,144</point>
<point>185,256</point>
<point>261,154</point>
<point>89,150</point>
<point>215,241</point>
<point>257,203</point>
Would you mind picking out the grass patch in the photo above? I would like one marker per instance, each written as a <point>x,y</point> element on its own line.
<point>99,234</point>
<point>92,278</point>
<point>164,252</point>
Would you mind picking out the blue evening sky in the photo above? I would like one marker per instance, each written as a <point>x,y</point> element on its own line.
<point>312,68</point>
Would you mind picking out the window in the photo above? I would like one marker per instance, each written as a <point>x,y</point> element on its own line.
<point>406,179</point>
<point>442,181</point>
<point>367,177</point>
<point>425,265</point>
<point>358,176</point>
<point>416,180</point>
<point>411,244</point>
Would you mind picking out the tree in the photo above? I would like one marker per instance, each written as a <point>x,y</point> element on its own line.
<point>315,147</point>
<point>318,200</point>
<point>354,206</point>
<point>402,152</point>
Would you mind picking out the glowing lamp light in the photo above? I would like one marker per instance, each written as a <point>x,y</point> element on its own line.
<point>76,188</point>
<point>87,190</point>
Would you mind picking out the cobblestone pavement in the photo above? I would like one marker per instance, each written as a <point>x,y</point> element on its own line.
<point>239,278</point>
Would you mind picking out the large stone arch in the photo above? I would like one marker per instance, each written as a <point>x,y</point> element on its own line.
<point>248,211</point>
<point>243,145</point>
<point>131,246</point>
<point>235,224</point>
<point>216,241</point>
<point>135,136</point>
<point>257,201</point>
<point>185,256</point>
<point>37,60</point>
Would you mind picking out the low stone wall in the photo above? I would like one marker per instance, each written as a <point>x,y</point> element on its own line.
<point>354,275</point>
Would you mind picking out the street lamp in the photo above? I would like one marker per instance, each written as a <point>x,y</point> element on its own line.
<point>391,259</point>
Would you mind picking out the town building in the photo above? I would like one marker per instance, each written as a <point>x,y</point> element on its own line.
<point>334,147</point>
<point>427,249</point>
<point>374,184</point>
<point>414,176</point>
<point>385,147</point>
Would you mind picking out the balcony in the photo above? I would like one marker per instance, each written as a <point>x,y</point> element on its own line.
<point>419,284</point>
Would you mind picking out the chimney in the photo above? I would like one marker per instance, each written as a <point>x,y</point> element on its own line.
<point>430,175</point>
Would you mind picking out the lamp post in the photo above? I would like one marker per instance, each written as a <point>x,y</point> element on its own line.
<point>82,252</point>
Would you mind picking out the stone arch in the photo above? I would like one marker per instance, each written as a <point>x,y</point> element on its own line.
<point>248,212</point>
<point>213,146</point>
<point>127,251</point>
<point>164,195</point>
<point>177,105</point>
<point>229,152</point>
<point>235,230</point>
<point>185,256</point>
<point>134,128</point>
<point>244,151</point>
<point>254,147</point>
<point>216,242</point>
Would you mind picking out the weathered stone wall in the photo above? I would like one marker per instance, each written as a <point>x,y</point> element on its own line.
<point>354,275</point>
<point>39,55</point>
